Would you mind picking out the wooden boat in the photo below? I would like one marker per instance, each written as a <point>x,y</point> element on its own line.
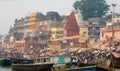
<point>5,62</point>
<point>53,59</point>
<point>86,68</point>
<point>79,64</point>
<point>21,61</point>
<point>115,60</point>
<point>32,67</point>
<point>42,64</point>
<point>59,66</point>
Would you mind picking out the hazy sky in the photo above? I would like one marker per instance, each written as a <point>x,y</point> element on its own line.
<point>11,9</point>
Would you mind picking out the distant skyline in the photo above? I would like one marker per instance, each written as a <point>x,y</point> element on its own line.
<point>12,9</point>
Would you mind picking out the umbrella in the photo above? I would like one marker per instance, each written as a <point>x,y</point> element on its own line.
<point>66,49</point>
<point>81,50</point>
<point>72,49</point>
<point>95,51</point>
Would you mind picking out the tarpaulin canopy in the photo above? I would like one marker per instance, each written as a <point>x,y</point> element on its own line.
<point>19,43</point>
<point>117,55</point>
<point>82,49</point>
<point>72,49</point>
<point>115,60</point>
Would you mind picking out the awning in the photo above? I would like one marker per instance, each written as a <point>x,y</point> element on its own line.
<point>22,41</point>
<point>72,49</point>
<point>19,43</point>
<point>81,50</point>
<point>8,51</point>
<point>117,55</point>
<point>95,51</point>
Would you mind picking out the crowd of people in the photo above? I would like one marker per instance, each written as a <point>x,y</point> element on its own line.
<point>86,56</point>
<point>13,53</point>
<point>92,55</point>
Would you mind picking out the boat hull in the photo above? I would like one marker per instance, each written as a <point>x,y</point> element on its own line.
<point>32,67</point>
<point>87,68</point>
<point>5,62</point>
<point>21,61</point>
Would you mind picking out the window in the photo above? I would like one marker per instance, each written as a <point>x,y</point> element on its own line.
<point>102,35</point>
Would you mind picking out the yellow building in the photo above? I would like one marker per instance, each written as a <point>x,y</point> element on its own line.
<point>83,33</point>
<point>43,25</point>
<point>56,33</point>
<point>46,22</point>
<point>32,21</point>
<point>83,37</point>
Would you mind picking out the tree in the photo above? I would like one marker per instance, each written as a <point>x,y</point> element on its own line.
<point>91,8</point>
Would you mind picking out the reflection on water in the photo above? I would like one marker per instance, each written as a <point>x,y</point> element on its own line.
<point>5,69</point>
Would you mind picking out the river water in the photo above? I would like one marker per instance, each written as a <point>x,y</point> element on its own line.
<point>5,69</point>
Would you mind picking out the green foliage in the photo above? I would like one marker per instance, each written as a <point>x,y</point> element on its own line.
<point>92,8</point>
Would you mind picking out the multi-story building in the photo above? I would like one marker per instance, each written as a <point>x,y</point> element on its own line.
<point>94,33</point>
<point>83,40</point>
<point>94,30</point>
<point>116,21</point>
<point>43,29</point>
<point>52,16</point>
<point>18,29</point>
<point>32,24</point>
<point>26,25</point>
<point>106,33</point>
<point>56,33</point>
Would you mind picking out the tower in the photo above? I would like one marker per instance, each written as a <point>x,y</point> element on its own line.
<point>72,28</point>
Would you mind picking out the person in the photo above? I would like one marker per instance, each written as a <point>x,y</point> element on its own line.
<point>85,61</point>
<point>78,63</point>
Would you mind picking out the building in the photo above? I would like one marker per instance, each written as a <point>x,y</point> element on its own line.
<point>26,25</point>
<point>72,28</point>
<point>106,33</point>
<point>43,29</point>
<point>32,24</point>
<point>18,29</point>
<point>83,30</point>
<point>53,15</point>
<point>83,40</point>
<point>116,20</point>
<point>56,33</point>
<point>94,30</point>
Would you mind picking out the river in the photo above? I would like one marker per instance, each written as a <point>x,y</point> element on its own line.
<point>5,69</point>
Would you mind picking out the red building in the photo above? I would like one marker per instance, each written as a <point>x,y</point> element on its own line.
<point>72,28</point>
<point>106,36</point>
